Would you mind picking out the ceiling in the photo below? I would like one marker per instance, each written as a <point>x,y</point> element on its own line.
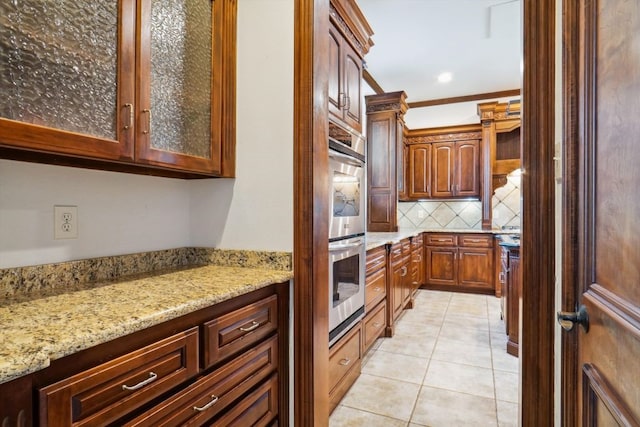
<point>478,41</point>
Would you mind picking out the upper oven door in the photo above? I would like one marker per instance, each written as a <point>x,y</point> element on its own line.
<point>347,198</point>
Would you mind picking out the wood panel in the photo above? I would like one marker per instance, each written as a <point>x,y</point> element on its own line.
<point>442,178</point>
<point>475,267</point>
<point>467,169</point>
<point>311,184</point>
<point>538,236</point>
<point>419,170</point>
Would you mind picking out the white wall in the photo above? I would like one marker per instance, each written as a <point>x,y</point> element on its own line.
<point>257,207</point>
<point>122,213</point>
<point>117,213</point>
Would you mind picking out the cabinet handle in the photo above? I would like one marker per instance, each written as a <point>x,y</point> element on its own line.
<point>254,325</point>
<point>148,112</point>
<point>341,100</point>
<point>419,258</point>
<point>214,399</point>
<point>130,122</point>
<point>376,324</point>
<point>377,289</point>
<point>347,104</point>
<point>404,271</point>
<point>501,277</point>
<point>345,361</point>
<point>152,377</point>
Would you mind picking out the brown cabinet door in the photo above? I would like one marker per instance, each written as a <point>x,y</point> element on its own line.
<point>442,172</point>
<point>69,91</point>
<point>352,88</point>
<point>400,272</point>
<point>441,266</point>
<point>419,171</point>
<point>335,72</point>
<point>467,169</point>
<point>513,302</point>
<point>475,267</point>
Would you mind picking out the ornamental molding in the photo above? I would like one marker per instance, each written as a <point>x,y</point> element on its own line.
<point>390,106</point>
<point>444,137</point>
<point>346,31</point>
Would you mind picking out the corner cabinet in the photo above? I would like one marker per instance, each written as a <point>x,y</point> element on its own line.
<point>349,41</point>
<point>114,85</point>
<point>222,365</point>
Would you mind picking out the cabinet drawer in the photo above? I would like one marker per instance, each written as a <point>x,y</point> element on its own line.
<point>395,254</point>
<point>475,240</point>
<point>259,408</point>
<point>442,240</point>
<point>374,324</point>
<point>107,392</point>
<point>239,329</point>
<point>406,246</point>
<point>213,393</point>
<point>416,242</point>
<point>345,356</point>
<point>376,259</point>
<point>376,288</point>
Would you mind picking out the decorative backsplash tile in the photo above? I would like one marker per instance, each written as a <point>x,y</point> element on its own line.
<point>55,278</point>
<point>464,214</point>
<point>506,202</point>
<point>436,214</point>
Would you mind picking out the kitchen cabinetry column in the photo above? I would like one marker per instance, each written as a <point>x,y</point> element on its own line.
<point>385,159</point>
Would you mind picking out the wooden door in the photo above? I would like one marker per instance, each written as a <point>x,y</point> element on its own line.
<point>399,272</point>
<point>352,88</point>
<point>600,379</point>
<point>335,72</point>
<point>442,172</point>
<point>467,169</point>
<point>441,266</point>
<point>419,172</point>
<point>475,267</point>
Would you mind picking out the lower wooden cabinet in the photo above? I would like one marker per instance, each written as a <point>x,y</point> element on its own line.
<point>374,325</point>
<point>344,365</point>
<point>168,375</point>
<point>460,262</point>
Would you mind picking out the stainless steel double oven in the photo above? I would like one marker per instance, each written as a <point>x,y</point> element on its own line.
<point>347,225</point>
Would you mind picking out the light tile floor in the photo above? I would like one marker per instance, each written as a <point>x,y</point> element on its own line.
<point>445,366</point>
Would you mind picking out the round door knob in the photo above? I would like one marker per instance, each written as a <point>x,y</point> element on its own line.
<point>568,319</point>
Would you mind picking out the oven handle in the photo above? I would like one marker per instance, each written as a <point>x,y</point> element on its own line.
<point>341,247</point>
<point>346,159</point>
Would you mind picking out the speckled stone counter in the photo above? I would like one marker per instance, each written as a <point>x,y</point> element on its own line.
<point>33,332</point>
<point>376,239</point>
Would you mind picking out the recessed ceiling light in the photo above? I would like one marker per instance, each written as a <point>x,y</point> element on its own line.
<point>445,77</point>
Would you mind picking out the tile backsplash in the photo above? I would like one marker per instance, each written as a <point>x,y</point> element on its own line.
<point>463,214</point>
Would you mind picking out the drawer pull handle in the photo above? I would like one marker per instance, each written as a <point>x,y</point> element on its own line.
<point>345,361</point>
<point>254,325</point>
<point>376,324</point>
<point>377,289</point>
<point>214,399</point>
<point>152,377</point>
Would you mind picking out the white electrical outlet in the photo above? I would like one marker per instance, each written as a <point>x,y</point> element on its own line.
<point>65,222</point>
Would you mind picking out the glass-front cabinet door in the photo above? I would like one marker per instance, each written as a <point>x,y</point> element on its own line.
<point>175,84</point>
<point>67,76</point>
<point>150,82</point>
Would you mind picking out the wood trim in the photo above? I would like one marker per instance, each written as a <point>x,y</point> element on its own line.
<point>538,238</point>
<point>367,77</point>
<point>310,253</point>
<point>225,120</point>
<point>451,132</point>
<point>465,98</point>
<point>596,388</point>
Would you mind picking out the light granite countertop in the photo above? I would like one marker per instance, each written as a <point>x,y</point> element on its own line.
<point>34,332</point>
<point>377,239</point>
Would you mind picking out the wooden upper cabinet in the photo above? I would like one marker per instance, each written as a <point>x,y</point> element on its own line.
<point>442,171</point>
<point>419,166</point>
<point>120,87</point>
<point>444,163</point>
<point>349,41</point>
<point>467,169</point>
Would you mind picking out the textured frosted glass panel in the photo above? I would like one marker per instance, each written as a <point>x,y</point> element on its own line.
<point>181,76</point>
<point>58,64</point>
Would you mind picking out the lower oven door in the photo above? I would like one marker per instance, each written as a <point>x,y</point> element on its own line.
<point>346,285</point>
